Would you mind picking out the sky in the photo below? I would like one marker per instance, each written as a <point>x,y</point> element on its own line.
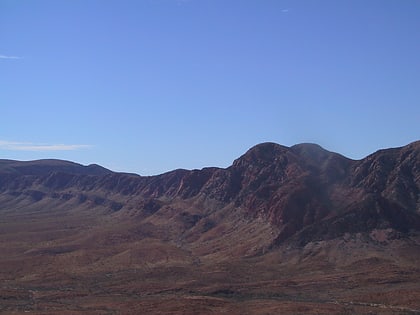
<point>149,86</point>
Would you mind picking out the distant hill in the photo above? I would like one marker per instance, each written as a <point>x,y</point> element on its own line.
<point>42,167</point>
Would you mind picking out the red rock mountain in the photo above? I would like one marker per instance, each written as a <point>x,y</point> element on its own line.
<point>283,230</point>
<point>305,192</point>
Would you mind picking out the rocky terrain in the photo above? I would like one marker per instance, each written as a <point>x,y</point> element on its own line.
<point>283,230</point>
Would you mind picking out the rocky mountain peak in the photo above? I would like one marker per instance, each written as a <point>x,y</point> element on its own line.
<point>261,154</point>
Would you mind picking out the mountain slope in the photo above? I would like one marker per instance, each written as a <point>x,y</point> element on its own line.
<point>289,230</point>
<point>290,188</point>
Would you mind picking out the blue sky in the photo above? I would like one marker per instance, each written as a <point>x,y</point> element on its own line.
<point>149,86</point>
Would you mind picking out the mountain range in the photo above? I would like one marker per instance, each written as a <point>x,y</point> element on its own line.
<point>290,230</point>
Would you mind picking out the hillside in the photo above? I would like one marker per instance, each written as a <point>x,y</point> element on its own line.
<point>290,230</point>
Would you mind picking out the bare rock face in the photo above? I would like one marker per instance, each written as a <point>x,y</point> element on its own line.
<point>394,174</point>
<point>306,188</point>
<point>304,191</point>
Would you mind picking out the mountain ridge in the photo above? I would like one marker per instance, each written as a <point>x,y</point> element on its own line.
<point>283,230</point>
<point>292,188</point>
<point>304,146</point>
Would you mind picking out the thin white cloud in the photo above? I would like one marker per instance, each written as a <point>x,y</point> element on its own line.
<point>285,10</point>
<point>9,57</point>
<point>24,146</point>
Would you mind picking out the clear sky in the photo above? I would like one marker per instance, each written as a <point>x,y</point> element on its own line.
<point>148,86</point>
